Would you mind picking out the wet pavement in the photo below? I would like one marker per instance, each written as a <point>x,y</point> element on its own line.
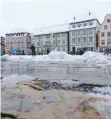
<point>84,73</point>
<point>52,104</point>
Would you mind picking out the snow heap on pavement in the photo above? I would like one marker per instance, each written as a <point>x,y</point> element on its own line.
<point>103,90</point>
<point>88,57</point>
<point>102,106</point>
<point>13,79</point>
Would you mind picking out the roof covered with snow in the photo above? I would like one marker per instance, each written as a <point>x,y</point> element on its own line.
<point>83,17</point>
<point>18,30</point>
<point>52,29</point>
<point>64,27</point>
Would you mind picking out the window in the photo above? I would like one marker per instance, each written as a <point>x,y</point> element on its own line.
<point>79,25</point>
<point>63,34</point>
<point>109,41</point>
<point>78,33</point>
<point>90,40</point>
<point>90,31</point>
<point>47,43</point>
<point>58,42</point>
<point>84,32</point>
<point>47,36</point>
<point>63,41</point>
<point>41,37</point>
<point>108,34</point>
<point>73,40</point>
<point>108,21</point>
<point>79,40</point>
<point>58,35</point>
<point>38,43</point>
<point>102,42</point>
<point>54,35</point>
<point>74,25</point>
<point>73,33</point>
<point>84,40</point>
<point>105,26</point>
<point>90,23</point>
<point>84,24</point>
<point>102,34</point>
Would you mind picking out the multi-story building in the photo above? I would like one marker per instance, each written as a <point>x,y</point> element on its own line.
<point>53,37</point>
<point>2,46</point>
<point>61,41</point>
<point>83,33</point>
<point>21,41</point>
<point>105,33</point>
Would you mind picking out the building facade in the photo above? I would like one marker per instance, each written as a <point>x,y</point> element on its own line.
<point>105,33</point>
<point>83,35</point>
<point>61,41</point>
<point>51,41</point>
<point>21,41</point>
<point>54,37</point>
<point>2,46</point>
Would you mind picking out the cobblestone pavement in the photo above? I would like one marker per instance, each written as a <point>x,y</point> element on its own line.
<point>26,103</point>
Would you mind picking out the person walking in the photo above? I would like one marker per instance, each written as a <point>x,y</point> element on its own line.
<point>33,50</point>
<point>47,50</point>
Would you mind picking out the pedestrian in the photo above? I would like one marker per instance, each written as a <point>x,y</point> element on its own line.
<point>33,50</point>
<point>81,52</point>
<point>23,52</point>
<point>47,50</point>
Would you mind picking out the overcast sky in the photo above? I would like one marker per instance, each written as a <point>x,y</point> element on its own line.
<point>31,14</point>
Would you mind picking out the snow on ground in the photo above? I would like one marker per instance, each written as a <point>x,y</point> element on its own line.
<point>104,90</point>
<point>103,106</point>
<point>13,79</point>
<point>89,57</point>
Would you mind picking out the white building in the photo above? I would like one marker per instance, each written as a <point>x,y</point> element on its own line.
<point>83,33</point>
<point>51,37</point>
<point>105,33</point>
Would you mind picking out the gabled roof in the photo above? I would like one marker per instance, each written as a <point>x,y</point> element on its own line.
<point>84,18</point>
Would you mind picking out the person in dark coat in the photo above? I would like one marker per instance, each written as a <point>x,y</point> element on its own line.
<point>47,50</point>
<point>33,50</point>
<point>23,52</point>
<point>81,52</point>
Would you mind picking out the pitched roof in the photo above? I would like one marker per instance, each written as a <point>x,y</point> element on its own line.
<point>52,29</point>
<point>83,17</point>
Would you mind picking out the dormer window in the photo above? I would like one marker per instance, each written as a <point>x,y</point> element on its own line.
<point>108,21</point>
<point>79,25</point>
<point>74,25</point>
<point>85,24</point>
<point>90,23</point>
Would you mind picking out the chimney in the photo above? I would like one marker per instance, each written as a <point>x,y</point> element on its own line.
<point>74,18</point>
<point>89,13</point>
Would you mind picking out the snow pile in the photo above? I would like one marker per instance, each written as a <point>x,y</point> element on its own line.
<point>96,58</point>
<point>57,55</point>
<point>5,57</point>
<point>89,57</point>
<point>103,90</point>
<point>13,79</point>
<point>108,57</point>
<point>102,106</point>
